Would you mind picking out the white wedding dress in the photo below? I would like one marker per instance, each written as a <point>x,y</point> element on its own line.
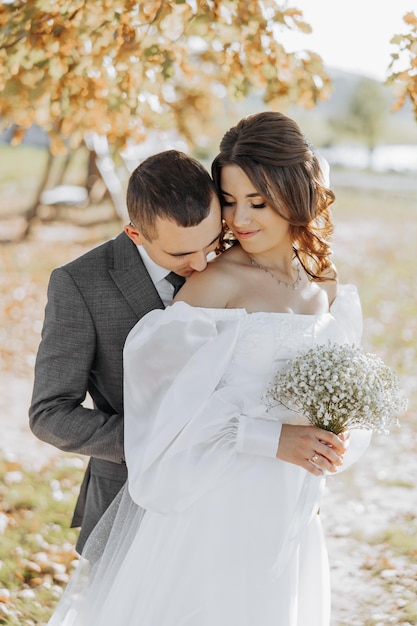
<point>213,529</point>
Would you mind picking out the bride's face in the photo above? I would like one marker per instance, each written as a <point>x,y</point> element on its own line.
<point>254,223</point>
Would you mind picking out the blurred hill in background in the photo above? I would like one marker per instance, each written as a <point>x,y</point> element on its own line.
<point>400,127</point>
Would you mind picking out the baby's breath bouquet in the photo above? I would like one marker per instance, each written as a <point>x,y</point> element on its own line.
<point>338,387</point>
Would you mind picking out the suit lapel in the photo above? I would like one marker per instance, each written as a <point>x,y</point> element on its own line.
<point>132,278</point>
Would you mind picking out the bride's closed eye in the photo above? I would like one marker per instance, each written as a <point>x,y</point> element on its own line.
<point>260,205</point>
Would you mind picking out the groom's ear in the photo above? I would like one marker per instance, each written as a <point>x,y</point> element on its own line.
<point>134,234</point>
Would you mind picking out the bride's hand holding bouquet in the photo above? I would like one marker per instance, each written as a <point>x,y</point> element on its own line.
<point>338,387</point>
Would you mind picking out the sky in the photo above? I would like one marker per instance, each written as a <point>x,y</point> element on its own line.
<point>352,35</point>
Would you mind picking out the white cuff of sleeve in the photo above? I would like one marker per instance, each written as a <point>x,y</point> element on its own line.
<point>258,436</point>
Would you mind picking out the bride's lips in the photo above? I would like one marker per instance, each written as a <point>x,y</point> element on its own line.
<point>246,234</point>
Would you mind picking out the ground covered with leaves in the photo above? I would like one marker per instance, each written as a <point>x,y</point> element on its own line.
<point>37,490</point>
<point>36,547</point>
<point>369,513</point>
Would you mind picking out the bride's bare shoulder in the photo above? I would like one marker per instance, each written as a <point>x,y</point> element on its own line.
<point>214,286</point>
<point>231,258</point>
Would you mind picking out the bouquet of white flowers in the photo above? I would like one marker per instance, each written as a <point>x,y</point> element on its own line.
<point>338,387</point>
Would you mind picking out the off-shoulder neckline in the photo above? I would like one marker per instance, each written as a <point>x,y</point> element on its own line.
<point>220,312</point>
<point>243,312</point>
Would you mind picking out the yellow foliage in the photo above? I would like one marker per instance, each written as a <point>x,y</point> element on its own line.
<point>119,69</point>
<point>403,76</point>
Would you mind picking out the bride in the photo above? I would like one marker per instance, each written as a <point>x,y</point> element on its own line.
<point>219,522</point>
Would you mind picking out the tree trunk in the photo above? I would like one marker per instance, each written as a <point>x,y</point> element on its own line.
<point>31,213</point>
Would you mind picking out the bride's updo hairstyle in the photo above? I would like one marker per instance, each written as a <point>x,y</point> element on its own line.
<point>280,163</point>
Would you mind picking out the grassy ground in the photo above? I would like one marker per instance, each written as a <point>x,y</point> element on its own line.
<point>370,513</point>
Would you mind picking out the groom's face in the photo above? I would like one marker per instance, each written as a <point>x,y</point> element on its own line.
<point>181,249</point>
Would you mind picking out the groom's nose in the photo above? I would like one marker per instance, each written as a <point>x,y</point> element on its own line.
<point>198,261</point>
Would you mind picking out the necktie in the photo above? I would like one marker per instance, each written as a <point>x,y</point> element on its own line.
<point>176,281</point>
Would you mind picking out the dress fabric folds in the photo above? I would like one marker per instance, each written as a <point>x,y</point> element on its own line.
<point>211,529</point>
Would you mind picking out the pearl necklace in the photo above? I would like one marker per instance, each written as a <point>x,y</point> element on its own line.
<point>293,285</point>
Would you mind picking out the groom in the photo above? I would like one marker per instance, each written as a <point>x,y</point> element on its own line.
<point>94,301</point>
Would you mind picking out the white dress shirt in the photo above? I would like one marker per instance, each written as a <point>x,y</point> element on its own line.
<point>157,274</point>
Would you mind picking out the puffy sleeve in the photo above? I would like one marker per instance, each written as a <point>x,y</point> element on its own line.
<point>347,311</point>
<point>181,425</point>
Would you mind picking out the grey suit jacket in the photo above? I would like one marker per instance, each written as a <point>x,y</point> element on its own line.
<point>93,302</point>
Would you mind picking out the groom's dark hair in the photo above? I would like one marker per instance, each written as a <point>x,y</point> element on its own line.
<point>169,185</point>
